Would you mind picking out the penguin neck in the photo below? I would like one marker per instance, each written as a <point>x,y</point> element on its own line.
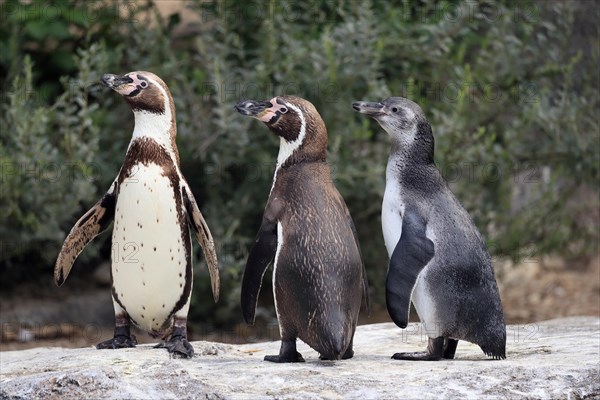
<point>161,128</point>
<point>411,162</point>
<point>414,147</point>
<point>295,152</point>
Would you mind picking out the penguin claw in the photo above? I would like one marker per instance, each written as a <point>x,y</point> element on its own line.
<point>285,359</point>
<point>118,342</point>
<point>178,347</point>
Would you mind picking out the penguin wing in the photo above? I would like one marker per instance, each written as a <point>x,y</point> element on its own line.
<point>412,253</point>
<point>204,237</point>
<point>262,254</point>
<point>92,223</point>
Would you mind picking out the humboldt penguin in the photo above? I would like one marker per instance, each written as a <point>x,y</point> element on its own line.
<point>308,234</point>
<point>151,205</point>
<point>438,259</point>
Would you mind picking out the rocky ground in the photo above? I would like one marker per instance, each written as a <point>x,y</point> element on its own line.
<point>557,359</point>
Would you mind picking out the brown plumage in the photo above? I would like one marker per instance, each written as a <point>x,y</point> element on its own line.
<point>308,232</point>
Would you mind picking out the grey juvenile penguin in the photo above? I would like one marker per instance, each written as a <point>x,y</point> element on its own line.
<point>318,274</point>
<point>437,256</point>
<point>151,205</point>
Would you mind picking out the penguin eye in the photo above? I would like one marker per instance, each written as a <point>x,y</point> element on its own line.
<point>144,84</point>
<point>394,110</point>
<point>283,110</point>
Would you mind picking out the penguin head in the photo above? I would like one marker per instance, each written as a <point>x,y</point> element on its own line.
<point>403,120</point>
<point>295,120</point>
<point>143,90</point>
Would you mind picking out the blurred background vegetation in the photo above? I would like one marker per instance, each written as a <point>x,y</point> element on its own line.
<point>509,87</point>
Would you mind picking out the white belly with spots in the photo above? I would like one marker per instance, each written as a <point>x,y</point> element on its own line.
<point>148,252</point>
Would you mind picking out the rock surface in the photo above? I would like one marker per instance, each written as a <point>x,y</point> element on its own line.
<point>553,359</point>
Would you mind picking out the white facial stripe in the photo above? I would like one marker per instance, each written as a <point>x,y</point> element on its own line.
<point>155,126</point>
<point>286,149</point>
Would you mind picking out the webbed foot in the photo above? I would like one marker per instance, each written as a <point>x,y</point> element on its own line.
<point>177,344</point>
<point>434,352</point>
<point>122,339</point>
<point>287,353</point>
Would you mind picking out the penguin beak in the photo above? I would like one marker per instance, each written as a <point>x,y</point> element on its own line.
<point>373,110</point>
<point>114,81</point>
<point>253,108</point>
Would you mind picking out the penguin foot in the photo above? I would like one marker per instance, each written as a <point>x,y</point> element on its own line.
<point>178,346</point>
<point>118,342</point>
<point>416,356</point>
<point>287,353</point>
<point>435,351</point>
<point>287,359</point>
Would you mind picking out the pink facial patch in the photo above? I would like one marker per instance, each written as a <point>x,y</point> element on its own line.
<point>269,113</point>
<point>128,88</point>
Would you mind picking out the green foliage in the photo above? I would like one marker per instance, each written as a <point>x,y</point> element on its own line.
<point>512,102</point>
<point>47,158</point>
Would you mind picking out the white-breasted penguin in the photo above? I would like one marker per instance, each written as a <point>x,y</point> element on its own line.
<point>151,205</point>
<point>308,233</point>
<point>437,256</point>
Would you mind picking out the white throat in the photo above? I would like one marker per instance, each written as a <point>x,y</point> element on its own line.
<point>286,149</point>
<point>156,126</point>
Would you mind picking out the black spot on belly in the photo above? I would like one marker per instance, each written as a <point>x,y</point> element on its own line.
<point>154,248</point>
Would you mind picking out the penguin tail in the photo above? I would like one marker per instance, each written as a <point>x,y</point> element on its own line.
<point>334,351</point>
<point>336,337</point>
<point>495,349</point>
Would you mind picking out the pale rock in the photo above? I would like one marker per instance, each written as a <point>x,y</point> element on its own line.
<point>557,359</point>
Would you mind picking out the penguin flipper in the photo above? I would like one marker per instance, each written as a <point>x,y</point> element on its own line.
<point>261,255</point>
<point>90,225</point>
<point>205,239</point>
<point>412,253</point>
